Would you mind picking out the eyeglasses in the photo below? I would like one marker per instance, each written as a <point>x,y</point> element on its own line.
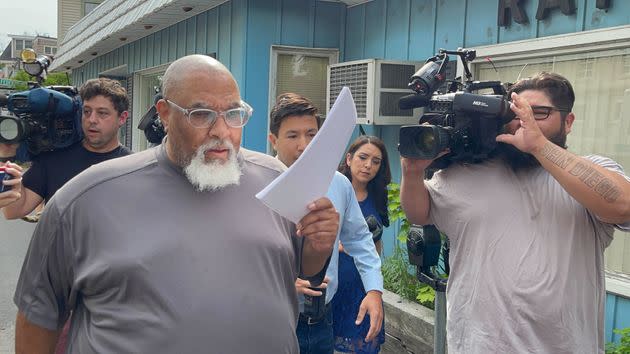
<point>543,112</point>
<point>205,118</point>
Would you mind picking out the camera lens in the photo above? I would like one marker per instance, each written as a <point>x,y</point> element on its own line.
<point>426,140</point>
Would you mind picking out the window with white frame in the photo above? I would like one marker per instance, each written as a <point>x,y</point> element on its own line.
<point>302,71</point>
<point>48,50</point>
<point>601,80</point>
<point>19,45</point>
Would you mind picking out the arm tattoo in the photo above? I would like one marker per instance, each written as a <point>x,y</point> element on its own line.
<point>593,179</point>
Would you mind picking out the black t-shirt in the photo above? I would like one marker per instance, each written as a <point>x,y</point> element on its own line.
<point>51,170</point>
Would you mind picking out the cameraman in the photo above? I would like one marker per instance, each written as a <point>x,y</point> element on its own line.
<point>105,106</point>
<point>528,229</point>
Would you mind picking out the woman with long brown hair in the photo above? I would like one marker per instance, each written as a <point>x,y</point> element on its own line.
<point>367,167</point>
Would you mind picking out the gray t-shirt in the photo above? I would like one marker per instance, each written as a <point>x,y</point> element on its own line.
<point>149,265</point>
<point>527,261</point>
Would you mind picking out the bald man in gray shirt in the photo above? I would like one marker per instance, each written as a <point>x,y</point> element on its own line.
<point>169,251</point>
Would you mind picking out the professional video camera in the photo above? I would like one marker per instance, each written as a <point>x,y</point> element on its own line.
<point>462,120</point>
<point>151,123</point>
<point>46,118</point>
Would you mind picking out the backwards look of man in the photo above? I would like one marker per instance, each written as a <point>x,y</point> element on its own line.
<point>105,106</point>
<point>528,231</point>
<point>293,125</point>
<point>168,250</point>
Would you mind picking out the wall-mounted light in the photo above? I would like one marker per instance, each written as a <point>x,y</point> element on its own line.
<point>187,8</point>
<point>122,39</point>
<point>148,27</point>
<point>80,62</point>
<point>68,67</point>
<point>94,53</point>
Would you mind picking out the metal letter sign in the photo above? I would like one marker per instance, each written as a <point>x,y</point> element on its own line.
<point>566,6</point>
<point>511,8</point>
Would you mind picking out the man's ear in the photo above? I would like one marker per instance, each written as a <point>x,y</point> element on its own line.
<point>123,118</point>
<point>162,108</point>
<point>273,139</point>
<point>568,122</point>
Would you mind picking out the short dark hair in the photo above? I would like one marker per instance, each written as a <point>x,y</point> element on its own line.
<point>109,88</point>
<point>290,104</point>
<point>555,86</point>
<point>377,187</point>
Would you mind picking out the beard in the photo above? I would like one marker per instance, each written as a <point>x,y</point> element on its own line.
<point>215,174</point>
<point>518,160</point>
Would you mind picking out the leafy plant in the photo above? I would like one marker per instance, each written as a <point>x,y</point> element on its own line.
<point>398,276</point>
<point>52,79</point>
<point>623,347</point>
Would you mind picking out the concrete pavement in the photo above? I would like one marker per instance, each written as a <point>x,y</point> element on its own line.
<point>14,239</point>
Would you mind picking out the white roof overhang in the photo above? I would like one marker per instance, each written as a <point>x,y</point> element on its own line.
<point>117,22</point>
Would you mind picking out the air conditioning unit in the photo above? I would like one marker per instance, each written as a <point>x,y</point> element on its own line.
<point>376,86</point>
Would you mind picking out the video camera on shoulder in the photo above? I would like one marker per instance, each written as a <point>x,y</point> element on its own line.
<point>461,120</point>
<point>45,118</point>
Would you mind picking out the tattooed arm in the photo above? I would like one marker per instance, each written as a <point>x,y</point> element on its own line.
<point>604,192</point>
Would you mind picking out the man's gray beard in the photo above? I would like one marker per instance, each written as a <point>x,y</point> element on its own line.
<point>213,175</point>
<point>519,160</point>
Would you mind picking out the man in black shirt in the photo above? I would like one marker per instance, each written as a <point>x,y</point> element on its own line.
<point>105,106</point>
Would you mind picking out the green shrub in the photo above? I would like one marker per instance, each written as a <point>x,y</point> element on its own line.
<point>623,347</point>
<point>398,276</point>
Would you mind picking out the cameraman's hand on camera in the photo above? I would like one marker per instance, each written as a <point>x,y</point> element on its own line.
<point>15,184</point>
<point>528,137</point>
<point>302,287</point>
<point>414,196</point>
<point>414,167</point>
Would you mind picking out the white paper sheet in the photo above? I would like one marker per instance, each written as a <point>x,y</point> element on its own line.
<point>309,177</point>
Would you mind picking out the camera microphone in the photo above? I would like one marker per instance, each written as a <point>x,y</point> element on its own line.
<point>413,101</point>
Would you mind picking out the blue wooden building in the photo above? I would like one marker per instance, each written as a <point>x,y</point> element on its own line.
<point>274,46</point>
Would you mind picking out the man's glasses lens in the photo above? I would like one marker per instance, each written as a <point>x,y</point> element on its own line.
<point>541,112</point>
<point>203,118</point>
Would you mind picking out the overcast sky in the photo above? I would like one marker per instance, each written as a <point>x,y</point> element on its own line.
<point>30,16</point>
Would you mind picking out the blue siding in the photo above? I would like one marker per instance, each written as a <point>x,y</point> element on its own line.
<point>355,33</point>
<point>212,34</point>
<point>295,29</point>
<point>225,32</point>
<point>617,316</point>
<point>517,32</point>
<point>191,36</point>
<point>558,23</point>
<point>261,35</point>
<point>485,21</point>
<point>329,25</point>
<point>397,29</point>
<point>449,33</point>
<point>201,32</point>
<point>596,18</point>
<point>374,27</point>
<point>421,29</point>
